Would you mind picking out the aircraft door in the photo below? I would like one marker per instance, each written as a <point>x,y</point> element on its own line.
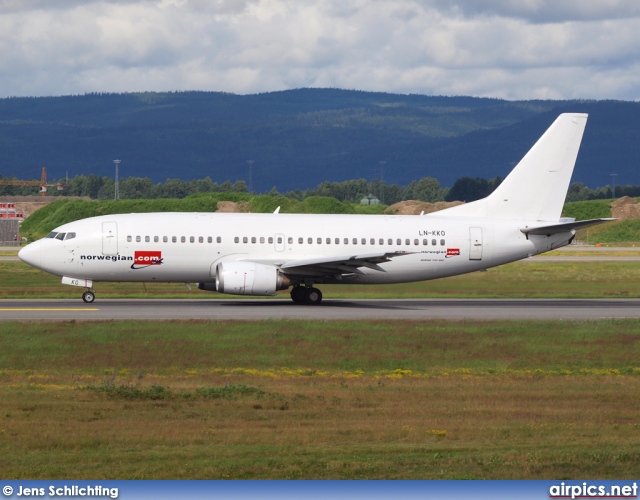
<point>279,242</point>
<point>475,243</point>
<point>109,238</point>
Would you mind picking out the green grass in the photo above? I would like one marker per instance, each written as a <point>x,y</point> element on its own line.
<point>518,280</point>
<point>293,399</point>
<point>349,346</point>
<point>623,231</point>
<point>591,209</point>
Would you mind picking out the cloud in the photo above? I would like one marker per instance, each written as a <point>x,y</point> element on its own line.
<point>515,49</point>
<point>545,11</point>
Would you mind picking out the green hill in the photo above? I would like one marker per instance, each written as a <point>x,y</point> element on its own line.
<point>300,138</point>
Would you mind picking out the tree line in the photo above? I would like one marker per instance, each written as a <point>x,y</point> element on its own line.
<point>426,189</point>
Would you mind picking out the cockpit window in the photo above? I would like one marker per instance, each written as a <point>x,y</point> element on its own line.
<point>52,234</point>
<point>60,236</point>
<point>70,236</point>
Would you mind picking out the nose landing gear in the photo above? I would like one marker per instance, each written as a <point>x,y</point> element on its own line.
<point>89,296</point>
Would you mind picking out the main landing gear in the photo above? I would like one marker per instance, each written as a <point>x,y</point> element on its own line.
<point>306,295</point>
<point>89,296</point>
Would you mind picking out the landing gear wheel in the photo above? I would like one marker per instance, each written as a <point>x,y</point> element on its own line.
<point>88,297</point>
<point>297,294</point>
<point>312,296</point>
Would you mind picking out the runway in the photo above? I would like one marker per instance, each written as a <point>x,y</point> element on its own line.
<point>330,309</point>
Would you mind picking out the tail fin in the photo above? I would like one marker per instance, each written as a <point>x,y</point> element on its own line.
<point>537,187</point>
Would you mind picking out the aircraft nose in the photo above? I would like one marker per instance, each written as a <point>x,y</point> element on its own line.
<point>31,254</point>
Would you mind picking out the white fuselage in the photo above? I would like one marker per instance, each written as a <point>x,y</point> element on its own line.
<point>187,247</point>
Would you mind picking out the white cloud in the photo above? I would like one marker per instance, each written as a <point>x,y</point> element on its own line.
<point>502,48</point>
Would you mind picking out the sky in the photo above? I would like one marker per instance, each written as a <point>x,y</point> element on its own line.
<point>511,49</point>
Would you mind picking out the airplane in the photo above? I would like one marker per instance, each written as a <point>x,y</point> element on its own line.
<point>260,254</point>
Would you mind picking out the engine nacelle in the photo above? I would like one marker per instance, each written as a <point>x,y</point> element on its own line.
<point>249,278</point>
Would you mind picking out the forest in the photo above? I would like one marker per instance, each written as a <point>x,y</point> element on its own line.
<point>351,191</point>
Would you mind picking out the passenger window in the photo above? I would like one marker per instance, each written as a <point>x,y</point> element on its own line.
<point>60,236</point>
<point>253,239</point>
<point>300,241</point>
<point>381,241</point>
<point>236,239</point>
<point>200,239</point>
<point>192,239</point>
<point>433,242</point>
<point>407,242</point>
<point>398,241</point>
<point>129,239</point>
<point>290,240</point>
<point>165,239</point>
<point>363,241</point>
<point>70,236</point>
<point>372,241</point>
<point>174,239</point>
<point>183,239</point>
<point>219,239</point>
<point>156,239</point>
<point>147,239</point>
<point>355,241</point>
<point>319,241</point>
<point>270,240</point>
<point>441,242</point>
<point>337,241</point>
<point>245,239</point>
<point>279,240</point>
<point>328,241</point>
<point>52,234</point>
<point>209,239</point>
<point>138,239</point>
<point>389,241</point>
<point>346,241</point>
<point>416,241</point>
<point>310,241</point>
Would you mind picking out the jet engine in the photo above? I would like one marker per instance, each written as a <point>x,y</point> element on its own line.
<point>249,278</point>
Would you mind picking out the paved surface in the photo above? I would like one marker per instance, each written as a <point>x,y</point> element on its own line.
<point>423,309</point>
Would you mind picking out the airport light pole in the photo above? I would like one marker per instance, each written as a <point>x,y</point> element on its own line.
<point>250,163</point>
<point>117,183</point>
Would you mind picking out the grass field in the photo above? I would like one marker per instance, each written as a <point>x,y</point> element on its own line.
<point>290,399</point>
<point>347,400</point>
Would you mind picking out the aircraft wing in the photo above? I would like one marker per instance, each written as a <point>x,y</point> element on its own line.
<point>348,264</point>
<point>563,227</point>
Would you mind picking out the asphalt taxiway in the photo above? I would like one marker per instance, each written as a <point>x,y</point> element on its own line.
<point>330,309</point>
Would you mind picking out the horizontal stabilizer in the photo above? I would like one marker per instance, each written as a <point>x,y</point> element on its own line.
<point>564,227</point>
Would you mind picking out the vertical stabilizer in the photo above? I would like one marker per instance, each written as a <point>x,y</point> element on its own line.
<point>537,187</point>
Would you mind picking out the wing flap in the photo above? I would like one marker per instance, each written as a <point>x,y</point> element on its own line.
<point>348,264</point>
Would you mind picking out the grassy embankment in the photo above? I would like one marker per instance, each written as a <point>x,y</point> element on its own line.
<point>290,399</point>
<point>63,211</point>
<point>60,212</point>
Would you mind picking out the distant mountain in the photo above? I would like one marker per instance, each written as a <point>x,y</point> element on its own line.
<point>299,138</point>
